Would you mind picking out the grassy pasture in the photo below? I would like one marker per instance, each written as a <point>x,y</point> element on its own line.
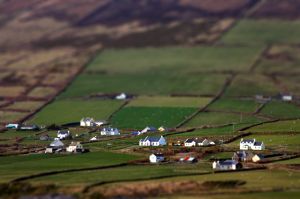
<point>138,172</point>
<point>280,59</point>
<point>146,84</point>
<point>140,117</point>
<point>280,126</point>
<point>290,161</point>
<point>251,85</point>
<point>292,83</point>
<point>16,166</point>
<point>8,116</point>
<point>287,142</point>
<point>263,32</point>
<point>164,101</point>
<point>25,105</point>
<point>215,118</point>
<point>65,111</point>
<point>257,195</point>
<point>185,59</point>
<point>224,104</point>
<point>281,110</point>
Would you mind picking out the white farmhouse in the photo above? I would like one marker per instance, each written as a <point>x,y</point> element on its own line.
<point>251,144</point>
<point>156,158</point>
<point>226,165</point>
<point>153,141</point>
<point>110,131</point>
<point>75,147</point>
<point>63,134</point>
<point>55,146</point>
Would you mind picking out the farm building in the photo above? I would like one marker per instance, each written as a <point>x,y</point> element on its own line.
<point>55,146</point>
<point>226,165</point>
<point>190,142</point>
<point>156,158</point>
<point>95,138</point>
<point>28,127</point>
<point>63,134</point>
<point>251,144</point>
<point>257,157</point>
<point>148,129</point>
<point>153,141</point>
<point>12,126</point>
<point>242,156</point>
<point>188,159</point>
<point>75,147</point>
<point>205,142</point>
<point>121,96</point>
<point>90,122</point>
<point>110,131</point>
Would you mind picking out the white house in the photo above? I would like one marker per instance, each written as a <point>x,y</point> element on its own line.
<point>226,165</point>
<point>95,138</point>
<point>90,122</point>
<point>156,158</point>
<point>153,141</point>
<point>205,142</point>
<point>148,129</point>
<point>287,98</point>
<point>190,142</point>
<point>121,96</point>
<point>63,134</point>
<point>251,144</point>
<point>110,131</point>
<point>54,146</point>
<point>75,147</point>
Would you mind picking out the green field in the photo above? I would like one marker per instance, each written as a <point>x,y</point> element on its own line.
<point>140,117</point>
<point>171,59</point>
<point>235,105</point>
<point>216,118</point>
<point>146,84</point>
<point>280,126</point>
<point>138,172</point>
<point>263,32</point>
<point>281,110</point>
<point>16,166</point>
<point>66,111</point>
<point>251,85</point>
<point>164,101</point>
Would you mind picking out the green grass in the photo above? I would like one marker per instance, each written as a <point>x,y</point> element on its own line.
<point>245,106</point>
<point>251,85</point>
<point>263,32</point>
<point>140,117</point>
<point>216,118</point>
<point>164,101</point>
<point>287,142</point>
<point>280,126</point>
<point>65,111</point>
<point>146,84</point>
<point>185,59</point>
<point>281,110</point>
<point>16,166</point>
<point>138,172</point>
<point>290,161</point>
<point>226,130</point>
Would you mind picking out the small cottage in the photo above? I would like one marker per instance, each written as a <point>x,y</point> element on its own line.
<point>75,147</point>
<point>55,146</point>
<point>153,141</point>
<point>90,122</point>
<point>121,96</point>
<point>63,134</point>
<point>148,129</point>
<point>110,131</point>
<point>12,126</point>
<point>156,158</point>
<point>226,165</point>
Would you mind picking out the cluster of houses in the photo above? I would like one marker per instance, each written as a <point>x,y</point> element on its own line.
<point>57,146</point>
<point>244,155</point>
<point>91,122</point>
<point>193,142</point>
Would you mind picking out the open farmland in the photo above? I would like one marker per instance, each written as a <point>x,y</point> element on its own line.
<point>210,72</point>
<point>140,117</point>
<point>68,111</point>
